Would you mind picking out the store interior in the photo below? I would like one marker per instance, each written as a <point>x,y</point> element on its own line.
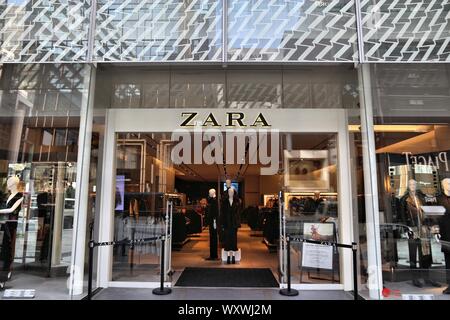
<point>146,175</point>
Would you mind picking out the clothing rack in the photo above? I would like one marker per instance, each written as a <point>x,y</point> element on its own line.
<point>305,203</point>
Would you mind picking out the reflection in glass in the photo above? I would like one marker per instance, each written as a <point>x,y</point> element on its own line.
<point>412,129</point>
<point>39,127</point>
<point>311,205</point>
<point>139,206</point>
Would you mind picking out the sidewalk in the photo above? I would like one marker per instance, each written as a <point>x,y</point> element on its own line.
<point>218,294</point>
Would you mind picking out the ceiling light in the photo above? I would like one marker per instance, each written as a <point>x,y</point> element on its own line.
<point>394,128</point>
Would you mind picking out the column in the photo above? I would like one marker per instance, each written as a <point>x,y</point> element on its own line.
<point>375,281</point>
<point>82,190</point>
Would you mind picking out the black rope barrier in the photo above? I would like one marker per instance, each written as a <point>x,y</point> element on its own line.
<point>354,247</point>
<point>92,245</point>
<point>129,242</point>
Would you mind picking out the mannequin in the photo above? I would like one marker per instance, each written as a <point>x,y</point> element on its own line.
<point>228,185</point>
<point>419,238</point>
<point>444,228</point>
<point>229,221</point>
<point>9,217</point>
<point>14,201</point>
<point>212,213</point>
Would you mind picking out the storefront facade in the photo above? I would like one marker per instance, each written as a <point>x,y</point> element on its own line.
<point>358,92</point>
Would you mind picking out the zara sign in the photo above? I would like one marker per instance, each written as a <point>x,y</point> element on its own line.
<point>233,120</point>
<point>230,139</point>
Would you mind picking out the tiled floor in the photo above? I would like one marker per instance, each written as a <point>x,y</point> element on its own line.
<point>254,254</point>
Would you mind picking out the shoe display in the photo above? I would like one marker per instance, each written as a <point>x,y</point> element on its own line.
<point>417,283</point>
<point>233,260</point>
<point>228,260</point>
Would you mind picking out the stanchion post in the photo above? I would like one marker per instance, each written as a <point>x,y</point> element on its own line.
<point>161,290</point>
<point>91,267</point>
<point>133,231</point>
<point>289,291</point>
<point>355,271</point>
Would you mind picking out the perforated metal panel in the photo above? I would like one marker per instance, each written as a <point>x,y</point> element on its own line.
<point>200,30</point>
<point>295,30</point>
<point>158,30</point>
<point>44,31</point>
<point>406,30</point>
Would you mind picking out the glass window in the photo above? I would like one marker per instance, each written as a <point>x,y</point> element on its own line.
<point>197,89</point>
<point>39,122</point>
<point>143,177</point>
<point>235,87</point>
<point>411,114</point>
<point>320,87</point>
<point>311,200</point>
<point>253,90</point>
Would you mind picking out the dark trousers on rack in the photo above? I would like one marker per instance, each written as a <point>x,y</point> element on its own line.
<point>212,242</point>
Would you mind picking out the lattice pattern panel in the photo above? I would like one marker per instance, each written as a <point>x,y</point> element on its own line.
<point>292,30</point>
<point>159,30</point>
<point>406,30</point>
<point>44,31</point>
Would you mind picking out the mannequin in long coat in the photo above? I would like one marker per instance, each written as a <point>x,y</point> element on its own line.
<point>229,222</point>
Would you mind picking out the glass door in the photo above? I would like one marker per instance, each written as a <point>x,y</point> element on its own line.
<point>141,210</point>
<point>310,208</point>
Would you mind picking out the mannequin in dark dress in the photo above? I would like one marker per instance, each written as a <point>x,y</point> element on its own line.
<point>223,195</point>
<point>212,213</point>
<point>229,222</point>
<point>444,228</point>
<point>9,216</point>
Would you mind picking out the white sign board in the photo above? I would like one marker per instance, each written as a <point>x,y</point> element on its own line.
<point>317,256</point>
<point>417,297</point>
<point>287,120</point>
<point>19,294</point>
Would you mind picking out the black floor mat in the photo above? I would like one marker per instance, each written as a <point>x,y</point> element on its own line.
<point>227,277</point>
